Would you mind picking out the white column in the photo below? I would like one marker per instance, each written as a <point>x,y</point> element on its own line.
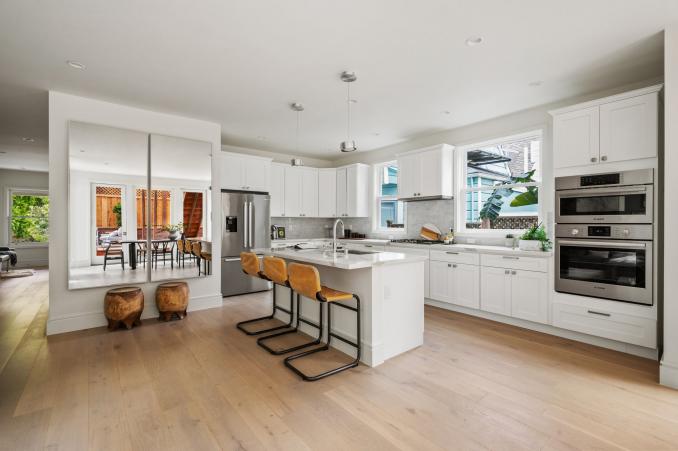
<point>668,374</point>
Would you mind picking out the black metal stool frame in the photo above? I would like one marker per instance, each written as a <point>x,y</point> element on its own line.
<point>326,346</point>
<point>262,341</point>
<point>290,312</point>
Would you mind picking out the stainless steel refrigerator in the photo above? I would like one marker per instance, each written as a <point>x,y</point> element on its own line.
<point>245,226</point>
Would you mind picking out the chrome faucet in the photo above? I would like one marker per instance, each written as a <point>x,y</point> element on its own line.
<point>334,235</point>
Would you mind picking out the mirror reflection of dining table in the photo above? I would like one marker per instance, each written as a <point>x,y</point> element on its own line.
<point>132,247</point>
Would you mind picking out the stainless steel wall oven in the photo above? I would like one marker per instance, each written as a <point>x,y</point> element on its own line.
<point>604,236</point>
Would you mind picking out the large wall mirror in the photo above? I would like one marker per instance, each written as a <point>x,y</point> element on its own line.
<point>139,207</point>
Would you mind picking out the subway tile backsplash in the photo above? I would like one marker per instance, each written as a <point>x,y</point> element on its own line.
<point>438,212</point>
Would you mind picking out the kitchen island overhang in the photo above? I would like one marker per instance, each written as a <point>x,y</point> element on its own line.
<point>391,289</point>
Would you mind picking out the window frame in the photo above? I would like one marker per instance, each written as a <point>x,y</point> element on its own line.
<point>376,207</point>
<point>10,201</point>
<point>461,189</point>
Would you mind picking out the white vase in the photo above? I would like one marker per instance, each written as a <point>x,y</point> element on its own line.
<point>529,245</point>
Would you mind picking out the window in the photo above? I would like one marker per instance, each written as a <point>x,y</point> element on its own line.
<point>390,212</point>
<point>28,217</point>
<point>500,184</point>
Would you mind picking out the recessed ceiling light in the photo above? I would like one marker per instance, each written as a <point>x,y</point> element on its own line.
<point>105,163</point>
<point>446,112</point>
<point>82,150</point>
<point>377,134</point>
<point>75,64</point>
<point>474,40</point>
<point>534,84</point>
<point>28,139</point>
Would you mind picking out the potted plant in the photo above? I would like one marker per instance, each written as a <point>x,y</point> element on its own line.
<point>510,240</point>
<point>174,230</point>
<point>534,239</point>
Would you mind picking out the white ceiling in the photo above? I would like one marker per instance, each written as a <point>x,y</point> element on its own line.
<point>240,63</point>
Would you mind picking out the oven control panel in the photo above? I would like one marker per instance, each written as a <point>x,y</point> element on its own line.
<point>612,231</point>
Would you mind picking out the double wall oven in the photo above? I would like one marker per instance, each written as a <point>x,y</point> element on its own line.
<point>604,235</point>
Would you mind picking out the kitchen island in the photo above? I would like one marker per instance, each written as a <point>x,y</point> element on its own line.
<point>391,290</point>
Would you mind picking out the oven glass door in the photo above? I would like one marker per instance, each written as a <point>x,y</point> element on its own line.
<point>620,270</point>
<point>631,205</point>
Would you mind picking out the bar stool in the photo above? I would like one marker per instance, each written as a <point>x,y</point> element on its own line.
<point>305,280</point>
<point>196,249</point>
<point>275,270</point>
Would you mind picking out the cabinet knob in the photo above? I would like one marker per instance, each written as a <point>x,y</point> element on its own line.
<point>454,266</point>
<point>513,273</point>
<point>593,159</point>
<point>604,158</point>
<point>449,265</point>
<point>506,271</point>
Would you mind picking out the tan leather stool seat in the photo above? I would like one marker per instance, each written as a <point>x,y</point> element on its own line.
<point>250,264</point>
<point>331,295</point>
<point>275,270</point>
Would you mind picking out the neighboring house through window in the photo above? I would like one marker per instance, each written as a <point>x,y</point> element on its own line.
<point>28,217</point>
<point>500,184</point>
<point>390,212</point>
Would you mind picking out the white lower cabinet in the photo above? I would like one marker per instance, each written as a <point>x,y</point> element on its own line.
<point>529,296</point>
<point>455,283</point>
<point>516,293</point>
<point>495,290</point>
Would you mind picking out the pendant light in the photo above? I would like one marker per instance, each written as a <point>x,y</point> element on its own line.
<point>298,108</point>
<point>349,144</point>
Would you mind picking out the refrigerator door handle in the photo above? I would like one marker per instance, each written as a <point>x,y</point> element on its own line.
<point>245,225</point>
<point>249,223</point>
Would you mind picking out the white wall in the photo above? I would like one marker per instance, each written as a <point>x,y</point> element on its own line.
<point>668,374</point>
<point>29,257</point>
<point>81,309</point>
<point>280,157</point>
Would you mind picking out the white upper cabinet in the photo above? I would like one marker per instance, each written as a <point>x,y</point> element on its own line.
<point>618,128</point>
<point>629,128</point>
<point>244,172</point>
<point>277,189</point>
<point>426,173</point>
<point>309,192</point>
<point>353,191</point>
<point>327,193</point>
<point>292,191</point>
<point>575,138</point>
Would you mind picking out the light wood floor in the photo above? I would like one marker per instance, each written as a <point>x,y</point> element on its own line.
<point>201,384</point>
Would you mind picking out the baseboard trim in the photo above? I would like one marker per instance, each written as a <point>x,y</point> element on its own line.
<point>627,348</point>
<point>668,374</point>
<point>89,320</point>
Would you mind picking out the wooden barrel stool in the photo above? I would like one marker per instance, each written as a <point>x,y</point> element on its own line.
<point>124,305</point>
<point>172,299</point>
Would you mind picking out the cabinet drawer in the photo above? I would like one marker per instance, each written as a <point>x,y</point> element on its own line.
<point>600,323</point>
<point>515,262</point>
<point>467,258</point>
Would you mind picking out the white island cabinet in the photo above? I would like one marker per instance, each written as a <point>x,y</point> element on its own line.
<point>391,290</point>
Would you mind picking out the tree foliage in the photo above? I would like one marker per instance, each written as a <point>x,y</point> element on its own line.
<point>30,218</point>
<point>493,204</point>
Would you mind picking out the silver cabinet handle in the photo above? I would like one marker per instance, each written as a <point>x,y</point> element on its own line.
<point>510,257</point>
<point>604,158</point>
<point>593,159</point>
<point>506,271</point>
<point>513,273</point>
<point>454,266</point>
<point>449,265</point>
<point>593,312</point>
<point>452,253</point>
<point>368,245</point>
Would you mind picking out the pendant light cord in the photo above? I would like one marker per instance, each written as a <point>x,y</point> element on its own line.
<point>348,112</point>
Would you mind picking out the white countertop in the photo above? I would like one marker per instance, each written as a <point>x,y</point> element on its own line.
<point>341,261</point>
<point>483,249</point>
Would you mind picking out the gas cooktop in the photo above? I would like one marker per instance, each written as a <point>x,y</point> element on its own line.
<point>417,241</point>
